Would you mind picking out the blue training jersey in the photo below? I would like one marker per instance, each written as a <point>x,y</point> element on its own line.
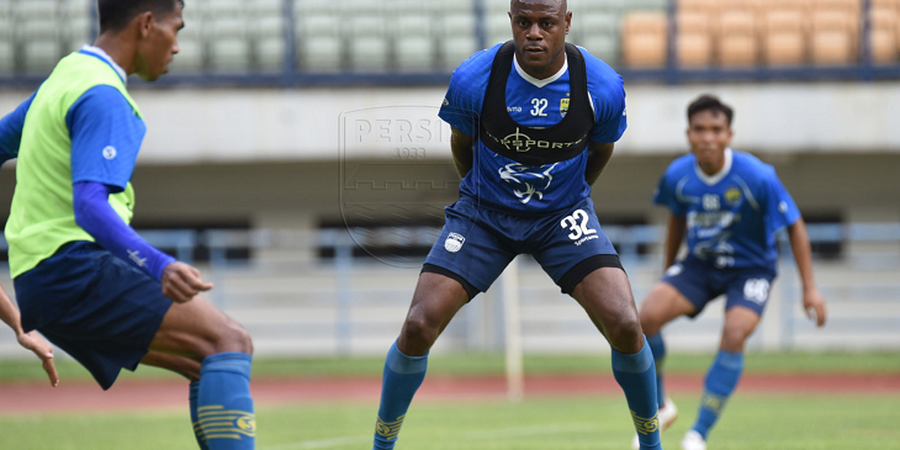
<point>731,217</point>
<point>502,183</point>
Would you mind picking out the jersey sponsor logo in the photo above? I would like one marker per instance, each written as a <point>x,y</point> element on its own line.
<point>733,195</point>
<point>454,242</point>
<point>529,181</point>
<point>521,142</point>
<point>109,152</point>
<point>515,109</point>
<point>757,290</point>
<point>707,225</point>
<point>564,105</point>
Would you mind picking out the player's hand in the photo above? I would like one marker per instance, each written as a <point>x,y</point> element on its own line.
<point>813,303</point>
<point>32,341</point>
<point>181,282</point>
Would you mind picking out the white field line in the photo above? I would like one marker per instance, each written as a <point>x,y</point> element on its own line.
<point>540,430</point>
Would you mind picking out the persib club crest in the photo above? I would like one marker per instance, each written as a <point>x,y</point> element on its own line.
<point>454,242</point>
<point>733,195</point>
<point>564,105</point>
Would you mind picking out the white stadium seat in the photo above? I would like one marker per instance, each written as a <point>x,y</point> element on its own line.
<point>321,53</point>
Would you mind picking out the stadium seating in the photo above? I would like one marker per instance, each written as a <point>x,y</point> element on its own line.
<point>784,35</point>
<point>644,36</point>
<point>738,37</point>
<point>883,19</point>
<point>406,36</point>
<point>833,37</point>
<point>695,31</point>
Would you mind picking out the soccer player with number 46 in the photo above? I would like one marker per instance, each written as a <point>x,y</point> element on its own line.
<point>730,205</point>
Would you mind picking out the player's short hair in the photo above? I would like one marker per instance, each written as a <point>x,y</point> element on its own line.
<point>117,14</point>
<point>712,103</point>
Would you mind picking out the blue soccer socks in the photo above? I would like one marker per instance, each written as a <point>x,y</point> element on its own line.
<point>195,421</point>
<point>224,407</point>
<point>720,382</point>
<point>658,347</point>
<point>637,375</point>
<point>402,377</point>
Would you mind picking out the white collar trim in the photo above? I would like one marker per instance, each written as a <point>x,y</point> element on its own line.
<point>101,53</point>
<point>711,180</point>
<point>541,83</point>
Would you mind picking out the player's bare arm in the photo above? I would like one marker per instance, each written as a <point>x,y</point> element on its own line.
<point>599,154</point>
<point>674,238</point>
<point>462,145</point>
<point>32,340</point>
<point>813,303</point>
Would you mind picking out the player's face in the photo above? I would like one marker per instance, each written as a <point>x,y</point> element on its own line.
<point>709,134</point>
<point>539,30</point>
<point>159,45</point>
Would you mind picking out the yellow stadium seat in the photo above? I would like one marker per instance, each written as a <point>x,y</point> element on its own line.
<point>785,48</point>
<point>707,6</point>
<point>695,21</point>
<point>883,47</point>
<point>833,22</point>
<point>738,50</point>
<point>784,36</point>
<point>644,39</point>
<point>694,49</point>
<point>832,47</point>
<point>738,37</point>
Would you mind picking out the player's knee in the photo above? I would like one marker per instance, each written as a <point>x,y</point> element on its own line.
<point>234,338</point>
<point>419,330</point>
<point>625,334</point>
<point>733,339</point>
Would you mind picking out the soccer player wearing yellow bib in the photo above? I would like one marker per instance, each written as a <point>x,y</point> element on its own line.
<point>83,278</point>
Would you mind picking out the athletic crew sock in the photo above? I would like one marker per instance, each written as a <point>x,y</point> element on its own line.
<point>637,375</point>
<point>224,405</point>
<point>195,423</point>
<point>402,377</point>
<point>720,382</point>
<point>658,347</point>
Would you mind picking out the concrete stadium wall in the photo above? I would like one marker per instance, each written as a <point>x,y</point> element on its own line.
<point>251,125</point>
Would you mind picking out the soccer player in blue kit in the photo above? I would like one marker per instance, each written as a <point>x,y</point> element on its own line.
<point>730,205</point>
<point>533,125</point>
<point>83,278</point>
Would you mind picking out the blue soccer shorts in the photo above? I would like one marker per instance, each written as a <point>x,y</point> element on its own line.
<point>96,307</point>
<point>701,283</point>
<point>476,244</point>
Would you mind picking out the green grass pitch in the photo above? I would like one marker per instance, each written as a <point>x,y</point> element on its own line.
<point>597,423</point>
<point>751,421</point>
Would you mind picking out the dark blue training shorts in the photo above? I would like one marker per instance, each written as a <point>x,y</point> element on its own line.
<point>701,283</point>
<point>93,305</point>
<point>476,244</point>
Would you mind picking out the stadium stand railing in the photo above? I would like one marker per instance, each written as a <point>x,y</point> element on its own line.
<point>296,303</point>
<point>308,42</point>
